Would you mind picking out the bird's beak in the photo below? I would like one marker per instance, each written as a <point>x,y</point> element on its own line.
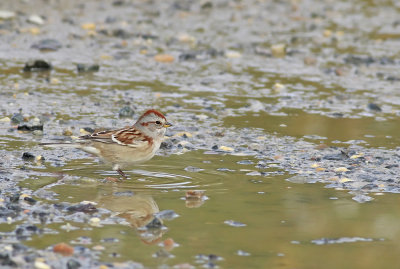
<point>167,124</point>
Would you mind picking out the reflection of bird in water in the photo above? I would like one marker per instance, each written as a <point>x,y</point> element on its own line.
<point>139,211</point>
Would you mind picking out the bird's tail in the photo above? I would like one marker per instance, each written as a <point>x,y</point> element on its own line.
<point>61,144</point>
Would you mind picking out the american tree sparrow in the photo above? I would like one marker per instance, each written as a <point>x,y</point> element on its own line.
<point>125,147</point>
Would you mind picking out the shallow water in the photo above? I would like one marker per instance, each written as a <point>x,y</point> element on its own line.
<point>282,219</point>
<point>247,125</point>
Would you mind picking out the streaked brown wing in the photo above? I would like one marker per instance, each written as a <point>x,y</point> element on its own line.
<point>130,137</point>
<point>103,136</point>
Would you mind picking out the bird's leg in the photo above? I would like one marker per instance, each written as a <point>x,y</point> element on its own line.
<point>122,173</point>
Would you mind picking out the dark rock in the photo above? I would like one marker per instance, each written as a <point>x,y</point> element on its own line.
<point>15,198</point>
<point>335,157</point>
<point>88,129</point>
<point>154,224</point>
<point>369,187</point>
<point>30,128</point>
<point>32,228</point>
<point>37,65</point>
<point>187,56</point>
<point>374,107</point>
<point>126,112</point>
<point>17,118</point>
<point>215,147</point>
<point>85,208</point>
<point>87,68</point>
<point>121,33</point>
<point>5,260</point>
<point>73,264</point>
<point>30,200</point>
<point>358,60</point>
<point>207,5</point>
<point>47,44</point>
<point>27,156</point>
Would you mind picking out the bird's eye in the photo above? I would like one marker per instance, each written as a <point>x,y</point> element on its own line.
<point>158,122</point>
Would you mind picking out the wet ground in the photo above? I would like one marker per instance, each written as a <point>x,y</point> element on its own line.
<point>266,98</point>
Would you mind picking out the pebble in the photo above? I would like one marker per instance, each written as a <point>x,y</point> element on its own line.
<point>154,224</point>
<point>63,249</point>
<point>7,15</point>
<point>88,26</point>
<point>36,19</point>
<point>193,169</point>
<point>225,148</point>
<point>37,65</point>
<point>39,264</point>
<point>374,107</point>
<point>164,58</point>
<point>67,132</point>
<point>232,54</point>
<point>81,68</point>
<point>234,223</point>
<point>47,44</point>
<point>27,156</point>
<point>5,119</point>
<point>73,264</point>
<point>278,50</point>
<point>166,214</point>
<point>126,112</point>
<point>94,222</point>
<point>242,253</point>
<point>17,118</point>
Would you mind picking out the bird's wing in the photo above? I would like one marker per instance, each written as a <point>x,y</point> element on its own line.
<point>126,137</point>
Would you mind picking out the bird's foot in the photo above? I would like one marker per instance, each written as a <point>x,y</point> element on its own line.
<point>122,174</point>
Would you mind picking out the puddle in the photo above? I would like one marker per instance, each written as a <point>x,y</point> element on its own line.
<point>284,150</point>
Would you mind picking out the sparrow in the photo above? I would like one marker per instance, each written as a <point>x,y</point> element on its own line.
<point>127,146</point>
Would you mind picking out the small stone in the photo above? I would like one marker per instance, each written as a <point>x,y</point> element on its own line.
<point>37,65</point>
<point>5,119</point>
<point>17,118</point>
<point>225,148</point>
<point>88,26</point>
<point>47,44</point>
<point>278,87</point>
<point>27,156</point>
<point>154,224</point>
<point>168,244</point>
<point>341,169</point>
<point>7,15</point>
<point>195,194</point>
<point>278,50</point>
<point>87,68</point>
<point>37,132</point>
<point>64,249</point>
<point>36,19</point>
<point>193,169</point>
<point>242,253</point>
<point>374,107</point>
<point>327,33</point>
<point>30,200</point>
<point>185,38</point>
<point>164,58</point>
<point>94,222</point>
<point>41,265</point>
<point>73,264</point>
<point>67,132</point>
<point>232,54</point>
<point>167,214</point>
<point>126,112</point>
<point>310,61</point>
<point>234,223</point>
